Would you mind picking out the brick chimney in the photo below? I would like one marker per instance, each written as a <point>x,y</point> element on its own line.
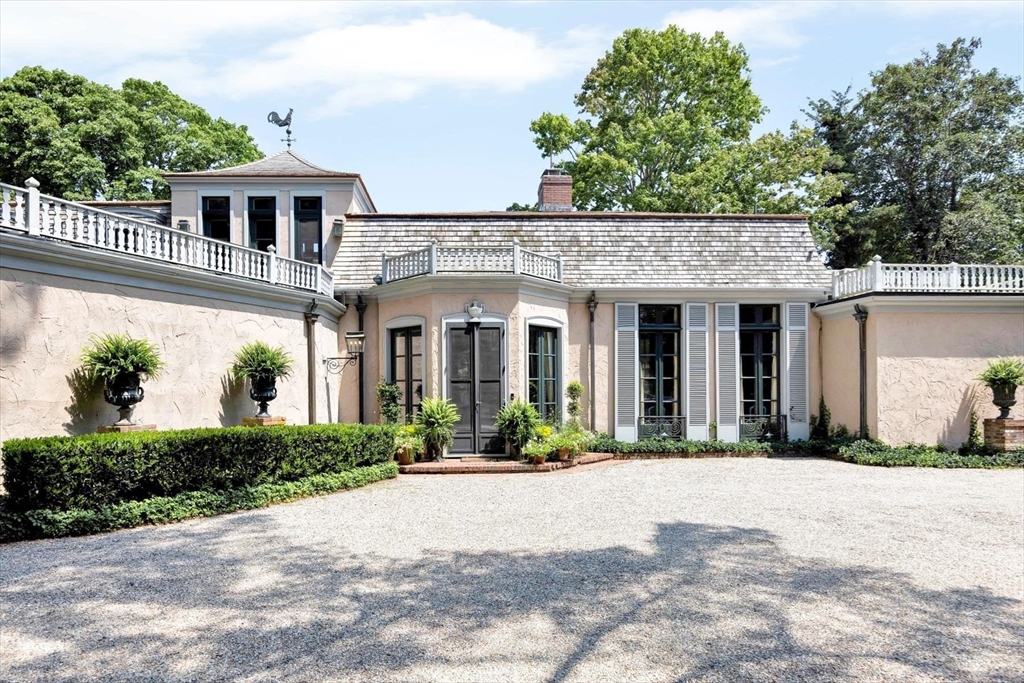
<point>555,191</point>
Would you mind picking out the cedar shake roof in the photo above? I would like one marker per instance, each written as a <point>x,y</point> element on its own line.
<point>286,164</point>
<point>605,249</point>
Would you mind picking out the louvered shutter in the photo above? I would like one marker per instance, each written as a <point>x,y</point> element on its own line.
<point>626,368</point>
<point>797,314</point>
<point>697,406</point>
<point>727,317</point>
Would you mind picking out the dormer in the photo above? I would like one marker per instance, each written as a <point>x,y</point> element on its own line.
<point>282,201</point>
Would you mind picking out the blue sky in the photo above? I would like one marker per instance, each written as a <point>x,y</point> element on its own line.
<point>432,102</point>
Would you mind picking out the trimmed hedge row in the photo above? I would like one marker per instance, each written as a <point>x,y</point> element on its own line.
<point>605,444</point>
<point>19,526</point>
<point>878,453</point>
<point>96,470</point>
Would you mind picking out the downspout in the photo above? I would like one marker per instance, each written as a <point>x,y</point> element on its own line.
<point>861,316</point>
<point>592,305</point>
<point>311,317</point>
<point>361,309</point>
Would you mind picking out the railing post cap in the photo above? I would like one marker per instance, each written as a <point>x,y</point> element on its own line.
<point>272,249</point>
<point>953,263</point>
<point>433,240</point>
<point>515,240</point>
<point>32,183</point>
<point>877,258</point>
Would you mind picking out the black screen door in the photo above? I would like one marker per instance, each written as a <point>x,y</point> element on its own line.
<point>476,370</point>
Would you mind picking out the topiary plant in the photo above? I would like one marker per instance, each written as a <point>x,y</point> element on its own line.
<point>574,391</point>
<point>388,396</point>
<point>517,423</point>
<point>437,418</point>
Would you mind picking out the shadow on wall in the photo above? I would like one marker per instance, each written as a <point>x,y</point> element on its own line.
<point>87,409</point>
<point>234,401</point>
<point>708,603</point>
<point>958,428</point>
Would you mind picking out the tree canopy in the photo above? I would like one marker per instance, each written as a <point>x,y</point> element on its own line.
<point>83,140</point>
<point>667,117</point>
<point>932,155</point>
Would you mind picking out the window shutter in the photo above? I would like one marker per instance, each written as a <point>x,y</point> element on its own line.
<point>626,369</point>
<point>727,317</point>
<point>797,314</point>
<point>697,371</point>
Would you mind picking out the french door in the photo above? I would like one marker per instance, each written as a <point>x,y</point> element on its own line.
<point>476,384</point>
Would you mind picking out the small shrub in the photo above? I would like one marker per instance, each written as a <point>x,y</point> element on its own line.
<point>603,443</point>
<point>104,469</point>
<point>48,523</point>
<point>574,391</point>
<point>437,419</point>
<point>866,452</point>
<point>388,396</point>
<point>517,423</point>
<point>822,422</point>
<point>1002,372</point>
<point>111,356</point>
<point>259,360</point>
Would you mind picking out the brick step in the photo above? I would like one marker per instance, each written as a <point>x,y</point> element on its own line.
<point>492,466</point>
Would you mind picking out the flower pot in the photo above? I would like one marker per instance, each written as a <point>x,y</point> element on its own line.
<point>1005,397</point>
<point>124,392</point>
<point>563,454</point>
<point>263,390</point>
<point>406,456</point>
<point>538,459</point>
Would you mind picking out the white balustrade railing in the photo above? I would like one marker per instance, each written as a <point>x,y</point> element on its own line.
<point>38,214</point>
<point>497,260</point>
<point>925,278</point>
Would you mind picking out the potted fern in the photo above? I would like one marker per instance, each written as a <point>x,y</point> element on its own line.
<point>122,363</point>
<point>1003,376</point>
<point>262,365</point>
<point>436,420</point>
<point>517,423</point>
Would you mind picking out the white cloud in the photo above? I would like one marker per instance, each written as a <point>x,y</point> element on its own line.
<point>347,60</point>
<point>773,24</point>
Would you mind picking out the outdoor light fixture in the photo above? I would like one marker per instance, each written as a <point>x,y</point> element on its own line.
<point>183,224</point>
<point>354,342</point>
<point>338,227</point>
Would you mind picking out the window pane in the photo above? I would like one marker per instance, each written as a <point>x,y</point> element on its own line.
<point>549,390</point>
<point>417,368</point>
<point>648,366</point>
<point>668,390</point>
<point>749,387</point>
<point>309,203</point>
<point>461,355</point>
<point>747,366</point>
<point>262,204</point>
<point>534,366</point>
<point>416,341</point>
<point>670,366</point>
<point>216,204</point>
<point>747,342</point>
<point>647,342</point>
<point>768,342</point>
<point>549,366</point>
<point>534,397</point>
<point>399,368</point>
<point>648,389</point>
<point>768,388</point>
<point>399,343</point>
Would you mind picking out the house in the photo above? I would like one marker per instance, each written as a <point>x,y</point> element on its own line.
<point>695,326</point>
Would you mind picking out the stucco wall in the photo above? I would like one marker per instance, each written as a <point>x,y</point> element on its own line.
<point>45,319</point>
<point>926,367</point>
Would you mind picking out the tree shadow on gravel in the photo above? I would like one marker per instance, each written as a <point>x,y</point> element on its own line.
<point>707,603</point>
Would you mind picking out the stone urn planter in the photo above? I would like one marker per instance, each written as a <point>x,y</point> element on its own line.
<point>1004,396</point>
<point>263,390</point>
<point>124,391</point>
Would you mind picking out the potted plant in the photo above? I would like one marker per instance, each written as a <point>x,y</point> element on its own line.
<point>408,444</point>
<point>389,396</point>
<point>517,423</point>
<point>537,452</point>
<point>436,420</point>
<point>123,364</point>
<point>262,365</point>
<point>1003,376</point>
<point>574,391</point>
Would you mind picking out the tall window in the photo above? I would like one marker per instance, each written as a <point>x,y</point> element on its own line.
<point>262,222</point>
<point>659,361</point>
<point>407,368</point>
<point>543,372</point>
<point>308,229</point>
<point>759,359</point>
<point>217,218</point>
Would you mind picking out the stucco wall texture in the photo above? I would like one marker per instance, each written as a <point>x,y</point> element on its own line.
<point>926,368</point>
<point>47,319</point>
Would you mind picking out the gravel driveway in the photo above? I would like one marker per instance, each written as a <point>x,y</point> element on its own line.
<point>679,570</point>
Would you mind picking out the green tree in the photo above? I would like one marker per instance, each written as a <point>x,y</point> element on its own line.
<point>934,151</point>
<point>82,139</point>
<point>666,126</point>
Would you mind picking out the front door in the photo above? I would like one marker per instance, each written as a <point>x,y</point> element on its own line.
<point>476,371</point>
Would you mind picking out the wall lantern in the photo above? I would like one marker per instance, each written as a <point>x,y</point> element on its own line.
<point>355,343</point>
<point>338,227</point>
<point>184,225</point>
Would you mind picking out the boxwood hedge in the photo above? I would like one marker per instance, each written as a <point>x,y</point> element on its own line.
<point>96,470</point>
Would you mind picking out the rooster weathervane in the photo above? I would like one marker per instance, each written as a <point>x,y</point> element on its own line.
<point>285,123</point>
